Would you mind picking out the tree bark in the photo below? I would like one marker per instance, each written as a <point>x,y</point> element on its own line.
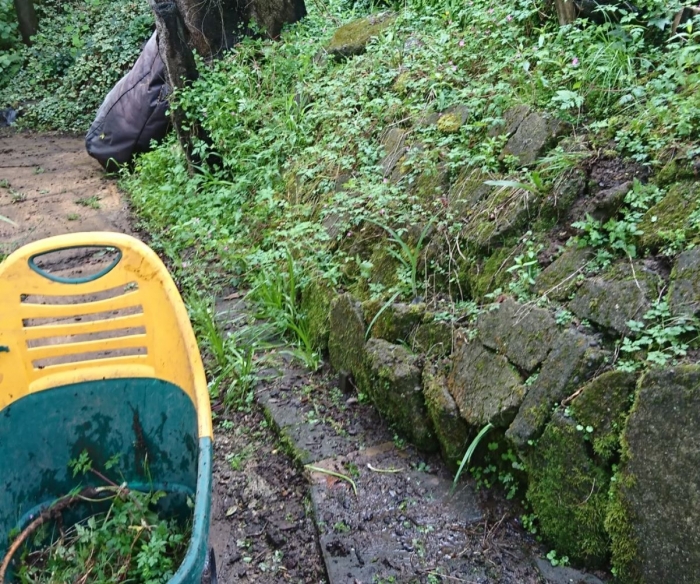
<point>181,71</point>
<point>26,17</point>
<point>566,11</point>
<point>217,25</point>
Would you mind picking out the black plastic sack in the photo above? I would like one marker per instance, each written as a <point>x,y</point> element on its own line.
<point>133,113</point>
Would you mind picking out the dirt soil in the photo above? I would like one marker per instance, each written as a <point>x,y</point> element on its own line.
<point>268,513</point>
<point>49,186</point>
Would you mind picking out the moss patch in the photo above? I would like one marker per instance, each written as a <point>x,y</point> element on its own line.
<point>395,386</point>
<point>503,211</point>
<point>433,339</point>
<point>352,38</point>
<point>316,305</point>
<point>486,275</point>
<point>671,214</point>
<point>657,497</point>
<point>469,190</point>
<point>451,430</point>
<point>573,359</point>
<point>395,322</point>
<point>346,341</point>
<point>569,493</point>
<point>603,405</point>
<point>384,267</point>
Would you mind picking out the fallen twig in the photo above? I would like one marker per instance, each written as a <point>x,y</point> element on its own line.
<point>334,474</point>
<point>387,470</point>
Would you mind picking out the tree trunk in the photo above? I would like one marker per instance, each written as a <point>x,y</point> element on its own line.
<point>26,17</point>
<point>181,70</point>
<point>217,25</point>
<point>209,27</point>
<point>566,11</point>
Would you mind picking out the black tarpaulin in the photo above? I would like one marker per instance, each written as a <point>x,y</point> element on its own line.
<point>133,113</point>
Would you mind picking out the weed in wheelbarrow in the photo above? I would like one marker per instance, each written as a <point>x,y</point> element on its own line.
<point>126,541</point>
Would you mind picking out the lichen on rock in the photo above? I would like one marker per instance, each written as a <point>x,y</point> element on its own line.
<point>511,120</point>
<point>573,360</point>
<point>450,428</point>
<point>393,142</point>
<point>534,134</point>
<point>621,294</point>
<point>485,386</point>
<point>395,386</point>
<point>657,495</point>
<point>684,292</point>
<point>524,334</point>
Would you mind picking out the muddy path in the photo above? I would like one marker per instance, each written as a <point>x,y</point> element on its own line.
<point>49,186</point>
<point>275,519</point>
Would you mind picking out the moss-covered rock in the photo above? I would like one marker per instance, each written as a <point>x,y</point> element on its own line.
<point>486,275</point>
<point>505,210</point>
<point>316,305</point>
<point>524,334</point>
<point>450,428</point>
<point>468,191</point>
<point>670,214</point>
<point>684,292</point>
<point>561,278</point>
<point>395,386</point>
<point>393,142</point>
<point>621,294</point>
<point>657,495</point>
<point>569,493</point>
<point>511,120</point>
<point>573,360</point>
<point>603,405</point>
<point>432,183</point>
<point>352,38</point>
<point>567,189</point>
<point>402,82</point>
<point>384,266</point>
<point>433,338</point>
<point>485,386</point>
<point>395,322</point>
<point>346,340</point>
<point>675,170</point>
<point>534,134</point>
<point>452,119</point>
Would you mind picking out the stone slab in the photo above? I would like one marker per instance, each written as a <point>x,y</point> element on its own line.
<point>524,334</point>
<point>378,535</point>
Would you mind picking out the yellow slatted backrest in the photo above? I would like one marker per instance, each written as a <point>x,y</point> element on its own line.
<point>128,321</point>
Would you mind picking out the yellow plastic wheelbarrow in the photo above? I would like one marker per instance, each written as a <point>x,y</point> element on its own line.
<point>108,364</point>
